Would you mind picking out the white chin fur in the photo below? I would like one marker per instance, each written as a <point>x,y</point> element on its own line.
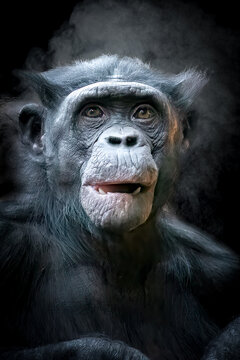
<point>117,211</point>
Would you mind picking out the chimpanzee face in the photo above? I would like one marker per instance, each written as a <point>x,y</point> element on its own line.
<point>109,141</point>
<point>107,146</point>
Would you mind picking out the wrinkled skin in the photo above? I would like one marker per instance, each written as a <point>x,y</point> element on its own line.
<point>113,163</point>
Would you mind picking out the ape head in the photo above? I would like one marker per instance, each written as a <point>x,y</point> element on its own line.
<point>107,136</point>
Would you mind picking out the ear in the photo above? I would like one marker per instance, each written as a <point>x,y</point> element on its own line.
<point>31,120</point>
<point>186,86</point>
<point>49,93</point>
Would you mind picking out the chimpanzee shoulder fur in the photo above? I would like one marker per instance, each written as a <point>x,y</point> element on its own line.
<point>93,265</point>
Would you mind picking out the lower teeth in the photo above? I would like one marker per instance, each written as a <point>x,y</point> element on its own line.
<point>101,191</point>
<point>135,192</point>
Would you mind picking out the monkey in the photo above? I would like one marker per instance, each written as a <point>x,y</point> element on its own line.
<point>94,265</point>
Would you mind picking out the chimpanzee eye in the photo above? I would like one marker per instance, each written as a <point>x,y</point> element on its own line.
<point>93,112</point>
<point>144,112</point>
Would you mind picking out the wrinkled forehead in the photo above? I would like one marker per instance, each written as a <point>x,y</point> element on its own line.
<point>113,90</point>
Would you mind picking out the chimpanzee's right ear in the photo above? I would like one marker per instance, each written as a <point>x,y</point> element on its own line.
<point>31,122</point>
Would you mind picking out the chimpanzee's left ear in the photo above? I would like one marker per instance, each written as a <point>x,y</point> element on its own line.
<point>31,120</point>
<point>186,86</point>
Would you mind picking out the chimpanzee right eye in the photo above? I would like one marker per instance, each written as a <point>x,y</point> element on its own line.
<point>92,112</point>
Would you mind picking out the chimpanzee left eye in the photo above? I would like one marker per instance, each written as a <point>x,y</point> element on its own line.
<point>93,112</point>
<point>144,112</point>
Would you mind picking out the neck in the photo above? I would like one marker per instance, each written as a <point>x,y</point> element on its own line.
<point>129,256</point>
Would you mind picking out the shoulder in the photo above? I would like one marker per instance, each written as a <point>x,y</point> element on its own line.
<point>196,254</point>
<point>198,264</point>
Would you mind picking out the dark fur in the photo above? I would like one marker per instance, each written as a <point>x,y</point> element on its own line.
<point>64,296</point>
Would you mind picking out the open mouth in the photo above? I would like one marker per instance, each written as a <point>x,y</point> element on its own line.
<point>126,188</point>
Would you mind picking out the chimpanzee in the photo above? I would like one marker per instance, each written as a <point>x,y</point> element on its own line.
<point>93,263</point>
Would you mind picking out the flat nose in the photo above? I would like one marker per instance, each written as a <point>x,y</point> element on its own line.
<point>127,140</point>
<point>122,136</point>
<point>118,136</point>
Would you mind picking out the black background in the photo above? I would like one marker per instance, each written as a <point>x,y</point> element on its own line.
<point>24,25</point>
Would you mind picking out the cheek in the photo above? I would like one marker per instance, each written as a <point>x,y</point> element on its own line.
<point>64,169</point>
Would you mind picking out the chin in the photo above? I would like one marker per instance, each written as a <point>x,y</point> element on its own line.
<point>110,209</point>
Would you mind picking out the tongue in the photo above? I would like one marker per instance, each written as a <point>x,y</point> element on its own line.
<point>119,188</point>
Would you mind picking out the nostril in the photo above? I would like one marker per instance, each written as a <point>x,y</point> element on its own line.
<point>114,140</point>
<point>131,140</point>
<point>126,141</point>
